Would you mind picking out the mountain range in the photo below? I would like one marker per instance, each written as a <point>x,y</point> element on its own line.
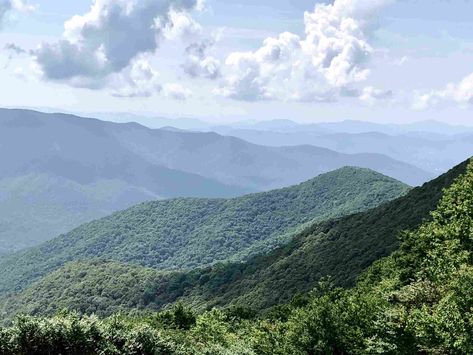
<point>284,125</point>
<point>416,300</point>
<point>351,261</point>
<point>190,233</point>
<point>59,171</point>
<point>341,248</point>
<point>430,145</point>
<point>435,153</point>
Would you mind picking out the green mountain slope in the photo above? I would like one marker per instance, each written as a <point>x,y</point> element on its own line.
<point>91,287</point>
<point>56,182</point>
<point>138,164</point>
<point>340,248</point>
<point>419,300</point>
<point>36,207</point>
<point>188,233</point>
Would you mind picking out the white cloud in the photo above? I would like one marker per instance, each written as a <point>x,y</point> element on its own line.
<point>331,58</point>
<point>107,39</point>
<point>21,6</point>
<point>371,95</point>
<point>139,80</point>
<point>183,27</point>
<point>13,5</point>
<point>198,63</point>
<point>460,94</point>
<point>176,91</point>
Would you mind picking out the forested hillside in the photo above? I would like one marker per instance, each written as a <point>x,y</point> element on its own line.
<point>340,248</point>
<point>189,233</point>
<point>418,300</point>
<point>59,171</point>
<point>38,207</point>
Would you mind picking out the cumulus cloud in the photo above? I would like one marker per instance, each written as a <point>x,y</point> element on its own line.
<point>139,80</point>
<point>460,94</point>
<point>331,57</point>
<point>371,95</point>
<point>198,63</point>
<point>176,91</point>
<point>182,26</point>
<point>22,6</point>
<point>13,5</point>
<point>107,39</point>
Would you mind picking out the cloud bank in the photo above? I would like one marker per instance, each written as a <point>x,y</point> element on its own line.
<point>107,40</point>
<point>460,94</point>
<point>328,61</point>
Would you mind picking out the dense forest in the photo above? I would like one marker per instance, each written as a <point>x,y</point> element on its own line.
<point>417,300</point>
<point>340,248</point>
<point>190,233</point>
<point>56,182</point>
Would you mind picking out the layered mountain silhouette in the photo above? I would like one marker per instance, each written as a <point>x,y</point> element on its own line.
<point>433,152</point>
<point>59,170</point>
<point>340,248</point>
<point>188,233</point>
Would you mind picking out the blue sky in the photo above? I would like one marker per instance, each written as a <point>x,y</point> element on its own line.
<point>381,60</point>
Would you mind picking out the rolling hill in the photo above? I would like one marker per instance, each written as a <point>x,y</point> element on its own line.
<point>341,248</point>
<point>417,300</point>
<point>59,171</point>
<point>190,233</point>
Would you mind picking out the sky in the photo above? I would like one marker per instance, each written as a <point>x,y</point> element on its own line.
<point>393,61</point>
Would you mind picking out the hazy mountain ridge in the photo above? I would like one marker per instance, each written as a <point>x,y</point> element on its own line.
<point>431,145</point>
<point>352,127</point>
<point>342,248</point>
<point>138,164</point>
<point>234,161</point>
<point>35,207</point>
<point>432,152</point>
<point>287,125</point>
<point>60,171</point>
<point>188,233</point>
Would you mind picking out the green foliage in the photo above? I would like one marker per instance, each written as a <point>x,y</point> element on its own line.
<point>178,317</point>
<point>70,334</point>
<point>189,233</point>
<point>418,300</point>
<point>92,287</point>
<point>340,248</point>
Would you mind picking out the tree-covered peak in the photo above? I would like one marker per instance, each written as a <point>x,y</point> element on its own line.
<point>188,233</point>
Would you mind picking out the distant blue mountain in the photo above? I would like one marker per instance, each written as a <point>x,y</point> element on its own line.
<point>60,170</point>
<point>429,151</point>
